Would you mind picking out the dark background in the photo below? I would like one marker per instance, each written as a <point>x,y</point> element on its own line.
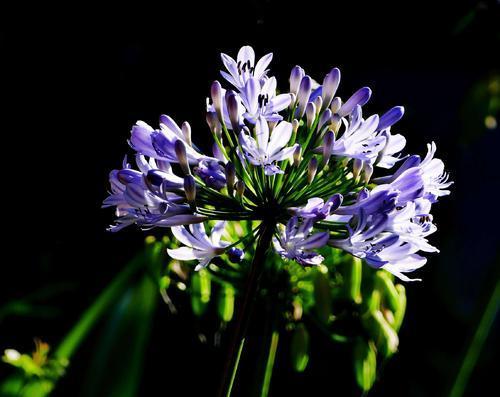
<point>75,78</point>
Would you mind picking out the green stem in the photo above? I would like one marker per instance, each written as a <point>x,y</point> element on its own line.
<point>246,309</point>
<point>477,343</point>
<point>270,363</point>
<point>89,318</point>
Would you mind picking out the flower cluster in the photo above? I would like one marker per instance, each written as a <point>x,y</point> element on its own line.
<point>303,161</point>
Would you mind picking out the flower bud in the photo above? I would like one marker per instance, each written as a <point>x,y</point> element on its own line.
<point>336,104</point>
<point>232,108</point>
<point>325,118</point>
<point>310,114</point>
<point>297,155</point>
<point>365,364</point>
<point>230,177</point>
<point>180,152</point>
<point>295,126</point>
<point>368,171</point>
<point>318,102</point>
<point>295,78</point>
<point>240,188</point>
<point>216,94</point>
<point>391,117</point>
<point>312,167</point>
<point>303,95</point>
<point>190,188</point>
<point>213,123</point>
<point>328,141</point>
<point>293,98</point>
<point>235,255</point>
<point>186,131</point>
<point>360,97</point>
<point>357,165</point>
<point>336,122</point>
<point>330,85</point>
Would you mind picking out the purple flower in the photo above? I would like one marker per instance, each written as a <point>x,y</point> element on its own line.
<point>265,151</point>
<point>213,108</point>
<point>147,197</point>
<point>244,68</point>
<point>212,173</point>
<point>235,255</point>
<point>316,208</point>
<point>160,144</point>
<point>434,180</point>
<point>262,101</point>
<point>198,245</point>
<point>296,242</point>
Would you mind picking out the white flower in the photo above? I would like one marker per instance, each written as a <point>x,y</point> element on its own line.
<point>197,243</point>
<point>265,150</point>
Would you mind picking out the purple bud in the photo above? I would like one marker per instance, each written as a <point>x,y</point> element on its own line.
<point>303,95</point>
<point>336,201</point>
<point>336,104</point>
<point>297,155</point>
<point>391,117</point>
<point>230,177</point>
<point>216,94</point>
<point>356,167</point>
<point>330,86</point>
<point>312,167</point>
<point>235,255</point>
<point>325,118</point>
<point>213,123</point>
<point>154,177</point>
<point>310,114</point>
<point>360,97</point>
<point>295,78</point>
<point>180,152</point>
<point>232,108</point>
<point>240,188</point>
<point>318,102</point>
<point>190,188</point>
<point>328,141</point>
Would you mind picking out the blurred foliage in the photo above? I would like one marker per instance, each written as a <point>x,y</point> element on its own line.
<point>347,301</point>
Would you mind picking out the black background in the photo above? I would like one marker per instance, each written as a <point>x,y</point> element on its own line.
<point>76,77</point>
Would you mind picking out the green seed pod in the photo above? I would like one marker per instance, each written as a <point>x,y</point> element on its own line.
<point>365,364</point>
<point>382,333</point>
<point>299,348</point>
<point>322,297</point>
<point>225,304</point>
<point>200,291</point>
<point>400,312</point>
<point>352,278</point>
<point>385,285</point>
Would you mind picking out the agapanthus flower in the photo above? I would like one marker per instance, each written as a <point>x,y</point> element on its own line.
<point>297,241</point>
<point>322,166</point>
<point>198,245</point>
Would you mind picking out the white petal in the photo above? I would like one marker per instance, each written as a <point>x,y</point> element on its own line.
<point>182,253</point>
<point>261,66</point>
<point>279,137</point>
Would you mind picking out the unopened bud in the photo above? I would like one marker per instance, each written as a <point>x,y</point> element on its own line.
<point>232,108</point>
<point>235,255</point>
<point>180,152</point>
<point>295,78</point>
<point>360,97</point>
<point>335,123</point>
<point>186,131</point>
<point>297,155</point>
<point>230,177</point>
<point>216,94</point>
<point>213,123</point>
<point>190,188</point>
<point>357,165</point>
<point>310,114</point>
<point>303,95</point>
<point>312,167</point>
<point>240,188</point>
<point>336,104</point>
<point>293,98</point>
<point>328,141</point>
<point>295,126</point>
<point>330,85</point>
<point>318,102</point>
<point>325,118</point>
